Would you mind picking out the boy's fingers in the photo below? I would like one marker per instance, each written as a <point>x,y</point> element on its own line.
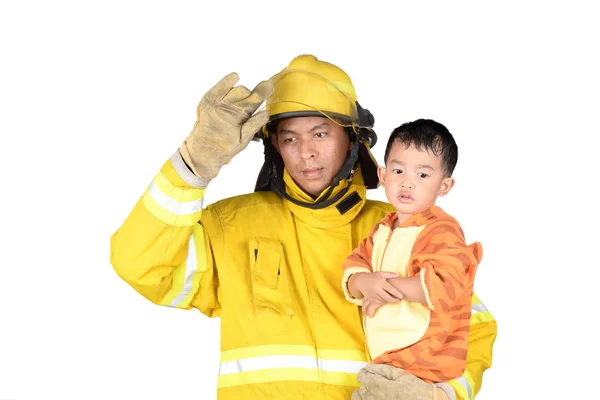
<point>367,308</point>
<point>385,297</point>
<point>391,290</point>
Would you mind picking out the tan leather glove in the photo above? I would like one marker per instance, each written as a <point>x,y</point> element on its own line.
<point>225,125</point>
<point>381,381</point>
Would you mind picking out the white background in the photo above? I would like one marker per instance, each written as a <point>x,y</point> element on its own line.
<point>95,96</point>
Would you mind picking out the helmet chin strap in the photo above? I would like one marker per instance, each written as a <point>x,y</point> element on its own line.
<point>271,177</point>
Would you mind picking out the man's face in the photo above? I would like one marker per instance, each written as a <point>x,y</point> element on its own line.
<point>313,150</point>
<point>413,179</point>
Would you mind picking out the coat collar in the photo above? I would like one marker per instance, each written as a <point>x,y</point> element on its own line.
<point>337,214</point>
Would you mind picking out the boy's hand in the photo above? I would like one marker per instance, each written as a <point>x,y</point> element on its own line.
<point>369,306</point>
<point>375,288</point>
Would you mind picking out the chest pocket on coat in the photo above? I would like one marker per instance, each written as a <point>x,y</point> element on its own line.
<point>269,280</point>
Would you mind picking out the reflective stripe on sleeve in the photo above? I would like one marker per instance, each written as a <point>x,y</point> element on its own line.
<point>463,386</point>
<point>479,312</point>
<point>186,277</point>
<point>172,205</point>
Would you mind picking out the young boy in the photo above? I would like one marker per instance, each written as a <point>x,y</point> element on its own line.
<point>413,275</point>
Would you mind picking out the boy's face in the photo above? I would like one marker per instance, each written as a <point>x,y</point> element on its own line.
<point>313,150</point>
<point>413,179</point>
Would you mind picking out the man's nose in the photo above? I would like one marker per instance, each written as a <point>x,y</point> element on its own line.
<point>308,149</point>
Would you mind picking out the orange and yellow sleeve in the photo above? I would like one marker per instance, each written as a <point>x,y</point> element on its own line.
<point>445,264</point>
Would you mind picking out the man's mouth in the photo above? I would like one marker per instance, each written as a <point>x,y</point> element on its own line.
<point>312,173</point>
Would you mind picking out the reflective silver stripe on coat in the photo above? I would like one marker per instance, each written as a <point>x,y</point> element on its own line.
<point>287,361</point>
<point>191,265</point>
<point>466,385</point>
<point>172,205</point>
<point>475,308</point>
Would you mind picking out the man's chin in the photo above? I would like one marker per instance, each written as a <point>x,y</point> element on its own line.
<point>314,189</point>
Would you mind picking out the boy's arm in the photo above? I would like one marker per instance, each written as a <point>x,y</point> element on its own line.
<point>358,261</point>
<point>353,291</point>
<point>411,288</point>
<point>446,267</point>
<point>442,267</point>
<point>444,263</point>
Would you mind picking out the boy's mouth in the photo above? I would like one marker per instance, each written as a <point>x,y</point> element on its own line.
<point>405,198</point>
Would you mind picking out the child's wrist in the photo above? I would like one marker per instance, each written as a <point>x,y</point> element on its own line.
<point>352,286</point>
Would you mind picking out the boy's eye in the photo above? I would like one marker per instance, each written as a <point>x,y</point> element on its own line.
<point>289,140</point>
<point>422,175</point>
<point>397,171</point>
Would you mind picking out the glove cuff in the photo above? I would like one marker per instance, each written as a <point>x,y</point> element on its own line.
<point>187,158</point>
<point>445,386</point>
<point>185,171</point>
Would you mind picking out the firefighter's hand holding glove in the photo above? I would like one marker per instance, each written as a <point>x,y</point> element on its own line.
<point>225,125</point>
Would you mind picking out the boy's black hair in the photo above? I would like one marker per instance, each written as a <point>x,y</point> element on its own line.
<point>429,135</point>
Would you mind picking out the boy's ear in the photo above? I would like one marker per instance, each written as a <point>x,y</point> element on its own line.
<point>380,174</point>
<point>447,184</point>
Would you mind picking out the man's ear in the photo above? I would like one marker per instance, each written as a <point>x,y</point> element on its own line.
<point>380,175</point>
<point>447,184</point>
<point>274,142</point>
<point>350,144</point>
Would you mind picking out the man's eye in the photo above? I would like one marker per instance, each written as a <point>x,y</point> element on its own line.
<point>422,175</point>
<point>397,171</point>
<point>321,134</point>
<point>289,140</point>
